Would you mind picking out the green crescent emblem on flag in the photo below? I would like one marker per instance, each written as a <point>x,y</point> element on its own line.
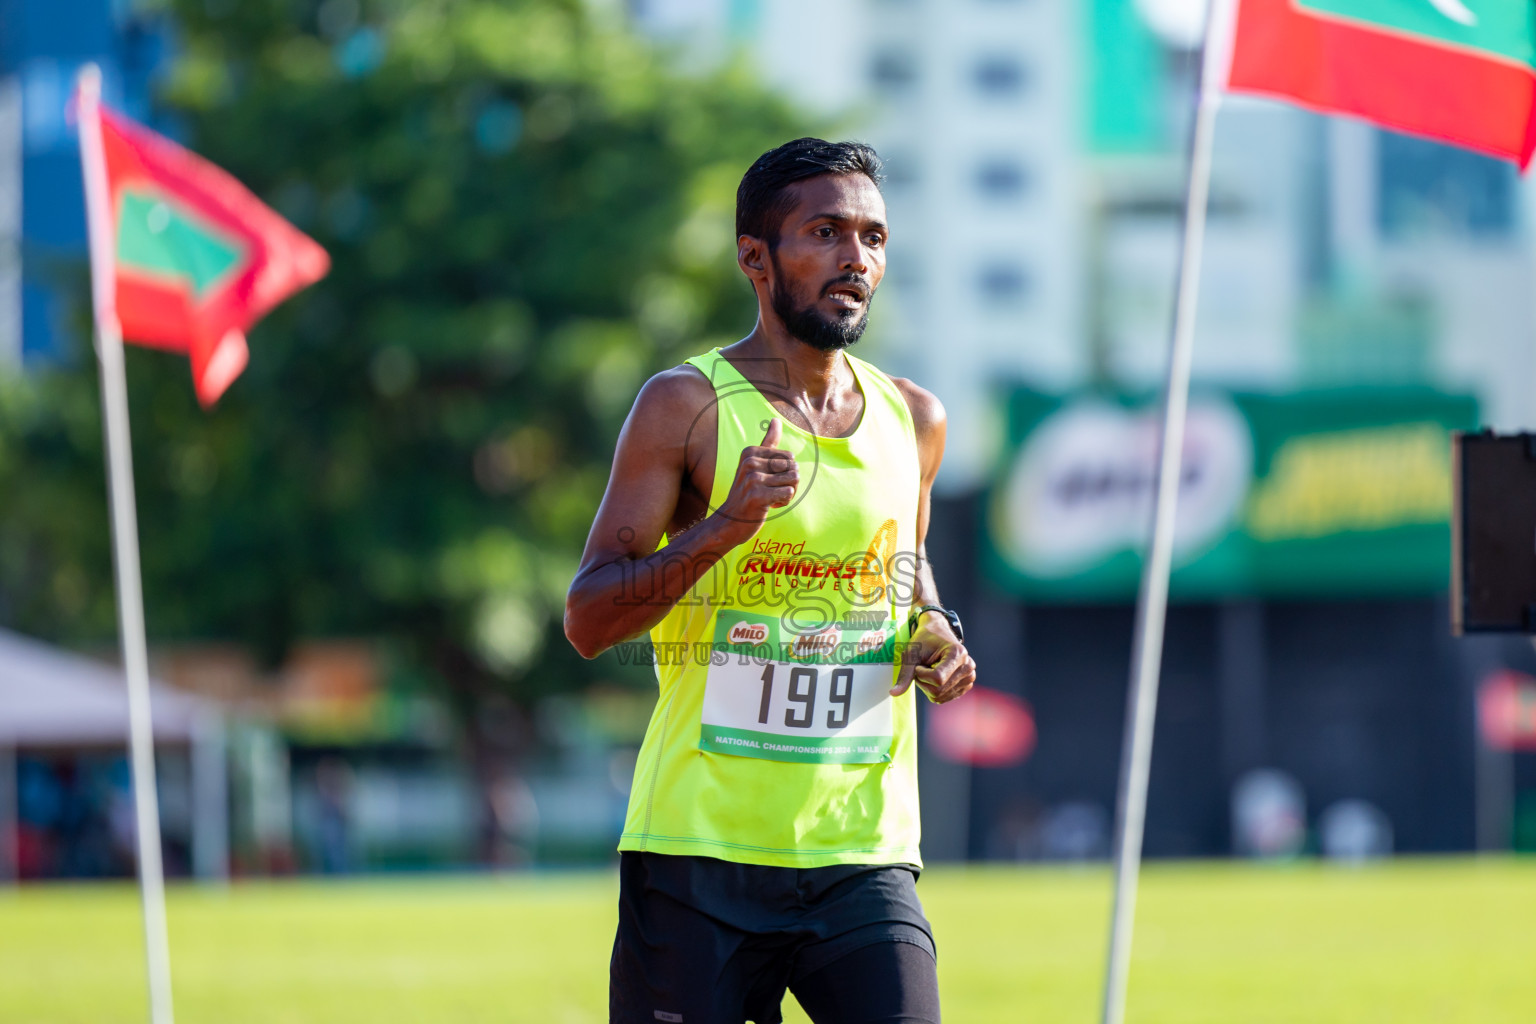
<point>158,237</point>
<point>1456,11</point>
<point>1499,28</point>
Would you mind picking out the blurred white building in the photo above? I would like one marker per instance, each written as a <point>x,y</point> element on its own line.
<point>975,114</point>
<point>1036,158</point>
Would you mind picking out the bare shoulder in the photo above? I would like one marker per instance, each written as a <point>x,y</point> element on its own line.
<point>669,402</point>
<point>928,413</point>
<point>676,390</point>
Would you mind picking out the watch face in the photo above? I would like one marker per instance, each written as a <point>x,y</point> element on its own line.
<point>952,617</point>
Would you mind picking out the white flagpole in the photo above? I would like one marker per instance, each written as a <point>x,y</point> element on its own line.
<point>1152,605</point>
<point>125,542</point>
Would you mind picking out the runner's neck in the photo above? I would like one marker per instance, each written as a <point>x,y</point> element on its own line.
<point>821,380</point>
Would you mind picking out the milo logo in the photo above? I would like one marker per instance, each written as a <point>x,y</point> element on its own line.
<point>811,644</point>
<point>873,640</point>
<point>748,633</point>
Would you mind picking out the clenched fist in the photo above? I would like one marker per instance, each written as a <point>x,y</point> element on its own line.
<point>937,661</point>
<point>766,478</point>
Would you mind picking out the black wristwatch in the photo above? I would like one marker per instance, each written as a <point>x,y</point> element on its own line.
<point>952,616</point>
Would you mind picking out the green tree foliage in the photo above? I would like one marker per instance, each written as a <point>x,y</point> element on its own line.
<point>528,213</point>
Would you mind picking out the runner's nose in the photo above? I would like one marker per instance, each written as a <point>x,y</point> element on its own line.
<point>855,259</point>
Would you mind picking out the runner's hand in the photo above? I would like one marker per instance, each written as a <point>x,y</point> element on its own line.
<point>937,661</point>
<point>766,478</point>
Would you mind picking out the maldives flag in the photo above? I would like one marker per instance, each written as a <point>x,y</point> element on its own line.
<point>1460,71</point>
<point>197,259</point>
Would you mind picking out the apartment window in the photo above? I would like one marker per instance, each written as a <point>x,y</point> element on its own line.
<point>894,69</point>
<point>1001,179</point>
<point>900,171</point>
<point>1002,284</point>
<point>1000,76</point>
<point>1429,188</point>
<point>903,275</point>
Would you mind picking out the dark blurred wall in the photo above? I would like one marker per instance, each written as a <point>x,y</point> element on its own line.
<point>1368,700</point>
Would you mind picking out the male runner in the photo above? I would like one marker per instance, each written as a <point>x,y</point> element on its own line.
<point>772,834</point>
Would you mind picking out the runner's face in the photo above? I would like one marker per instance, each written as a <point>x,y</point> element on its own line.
<point>829,260</point>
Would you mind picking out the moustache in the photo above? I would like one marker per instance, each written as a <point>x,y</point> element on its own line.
<point>857,281</point>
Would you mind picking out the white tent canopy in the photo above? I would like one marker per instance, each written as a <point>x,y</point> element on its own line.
<point>50,697</point>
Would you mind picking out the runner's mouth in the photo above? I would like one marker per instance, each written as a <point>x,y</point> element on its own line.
<point>847,296</point>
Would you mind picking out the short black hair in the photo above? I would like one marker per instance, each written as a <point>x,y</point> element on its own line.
<point>762,198</point>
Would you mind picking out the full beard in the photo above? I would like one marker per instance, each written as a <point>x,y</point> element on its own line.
<point>805,324</point>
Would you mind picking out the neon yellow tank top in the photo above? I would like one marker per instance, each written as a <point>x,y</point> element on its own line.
<point>775,739</point>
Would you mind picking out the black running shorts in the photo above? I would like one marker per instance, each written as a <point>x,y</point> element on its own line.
<point>705,941</point>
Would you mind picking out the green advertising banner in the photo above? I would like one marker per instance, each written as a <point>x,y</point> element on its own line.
<point>1316,493</point>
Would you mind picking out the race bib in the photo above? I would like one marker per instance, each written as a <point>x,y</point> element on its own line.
<point>821,698</point>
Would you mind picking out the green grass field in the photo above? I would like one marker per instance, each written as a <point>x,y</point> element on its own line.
<point>1409,942</point>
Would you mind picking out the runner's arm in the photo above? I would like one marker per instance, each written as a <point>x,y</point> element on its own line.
<point>936,659</point>
<point>625,586</point>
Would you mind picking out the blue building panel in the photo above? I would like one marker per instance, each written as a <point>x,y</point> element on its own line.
<point>44,44</point>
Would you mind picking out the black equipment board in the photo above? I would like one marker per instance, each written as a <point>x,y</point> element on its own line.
<point>1493,534</point>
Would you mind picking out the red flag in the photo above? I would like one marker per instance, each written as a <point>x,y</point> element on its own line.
<point>197,258</point>
<point>1459,71</point>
